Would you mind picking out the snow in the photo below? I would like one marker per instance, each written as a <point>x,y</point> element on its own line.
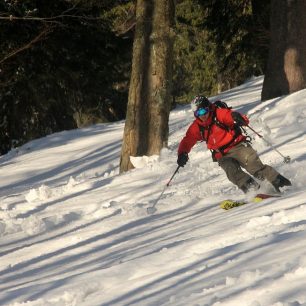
<point>73,231</point>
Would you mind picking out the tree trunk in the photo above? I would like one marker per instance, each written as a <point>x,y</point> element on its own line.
<point>286,70</point>
<point>146,126</point>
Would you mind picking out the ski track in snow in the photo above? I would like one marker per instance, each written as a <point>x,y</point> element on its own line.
<point>75,232</point>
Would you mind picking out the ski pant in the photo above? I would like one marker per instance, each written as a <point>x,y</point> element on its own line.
<point>244,156</point>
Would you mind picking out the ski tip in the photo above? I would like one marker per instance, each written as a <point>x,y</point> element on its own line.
<point>266,196</point>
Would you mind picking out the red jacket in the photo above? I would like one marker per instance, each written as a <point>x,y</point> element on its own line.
<point>218,136</point>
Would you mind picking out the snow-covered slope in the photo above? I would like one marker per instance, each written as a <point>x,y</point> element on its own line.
<point>75,232</point>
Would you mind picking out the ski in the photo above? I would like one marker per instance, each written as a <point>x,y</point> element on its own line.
<point>229,204</point>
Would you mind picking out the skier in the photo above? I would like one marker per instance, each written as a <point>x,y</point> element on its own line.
<point>220,128</point>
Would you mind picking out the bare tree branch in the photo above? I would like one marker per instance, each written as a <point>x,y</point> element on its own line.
<point>48,19</point>
<point>39,37</point>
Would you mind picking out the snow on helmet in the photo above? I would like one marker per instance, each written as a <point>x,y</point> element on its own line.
<point>199,101</point>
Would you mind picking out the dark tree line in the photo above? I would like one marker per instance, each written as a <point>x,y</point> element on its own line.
<point>61,65</point>
<point>65,64</point>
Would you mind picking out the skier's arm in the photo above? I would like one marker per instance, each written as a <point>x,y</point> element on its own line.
<point>191,138</point>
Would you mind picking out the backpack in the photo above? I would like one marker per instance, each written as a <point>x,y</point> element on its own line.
<point>219,104</point>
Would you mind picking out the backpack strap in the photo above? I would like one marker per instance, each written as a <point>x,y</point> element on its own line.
<point>215,121</point>
<point>202,132</point>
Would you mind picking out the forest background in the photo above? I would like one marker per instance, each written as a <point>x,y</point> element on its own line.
<point>67,64</point>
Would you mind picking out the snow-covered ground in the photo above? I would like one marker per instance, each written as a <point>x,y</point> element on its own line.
<point>75,232</point>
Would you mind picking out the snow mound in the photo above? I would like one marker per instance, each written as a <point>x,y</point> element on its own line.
<point>140,162</point>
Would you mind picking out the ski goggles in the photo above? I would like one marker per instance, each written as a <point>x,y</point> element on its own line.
<point>201,111</point>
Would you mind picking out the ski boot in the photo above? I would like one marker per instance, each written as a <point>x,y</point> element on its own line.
<point>280,181</point>
<point>250,185</point>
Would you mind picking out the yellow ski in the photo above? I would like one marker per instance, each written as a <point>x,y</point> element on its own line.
<point>229,204</point>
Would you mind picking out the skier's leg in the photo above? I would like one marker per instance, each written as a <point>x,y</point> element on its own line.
<point>249,159</point>
<point>261,171</point>
<point>236,175</point>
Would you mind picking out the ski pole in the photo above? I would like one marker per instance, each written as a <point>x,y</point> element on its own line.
<point>287,159</point>
<point>152,209</point>
<point>177,169</point>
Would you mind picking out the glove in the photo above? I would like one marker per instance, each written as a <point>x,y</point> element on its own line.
<point>182,159</point>
<point>240,119</point>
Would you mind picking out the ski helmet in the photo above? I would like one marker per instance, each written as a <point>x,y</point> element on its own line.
<point>199,102</point>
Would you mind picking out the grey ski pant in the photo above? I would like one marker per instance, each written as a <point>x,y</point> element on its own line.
<point>244,156</point>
